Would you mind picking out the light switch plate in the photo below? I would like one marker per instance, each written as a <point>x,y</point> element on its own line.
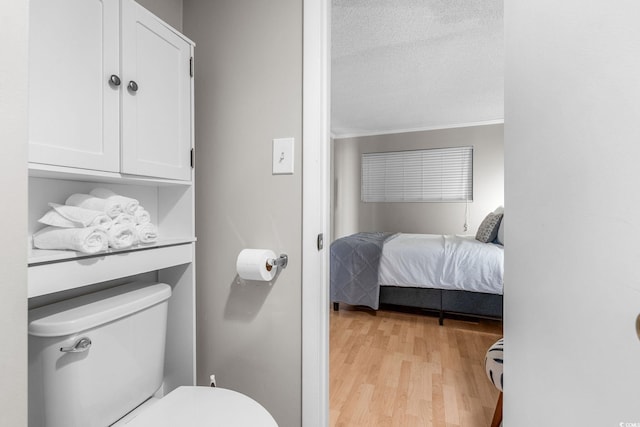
<point>283,156</point>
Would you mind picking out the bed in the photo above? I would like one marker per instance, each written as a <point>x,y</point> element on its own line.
<point>446,273</point>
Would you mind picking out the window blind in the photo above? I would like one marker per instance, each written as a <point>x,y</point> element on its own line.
<point>434,175</point>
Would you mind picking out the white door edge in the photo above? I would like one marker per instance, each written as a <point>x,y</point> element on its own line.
<point>315,214</point>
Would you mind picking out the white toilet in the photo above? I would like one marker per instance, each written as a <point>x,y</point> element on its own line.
<point>97,361</point>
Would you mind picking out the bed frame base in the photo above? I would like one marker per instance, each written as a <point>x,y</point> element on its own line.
<point>466,303</point>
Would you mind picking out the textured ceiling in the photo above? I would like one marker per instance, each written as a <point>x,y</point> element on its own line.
<point>400,65</point>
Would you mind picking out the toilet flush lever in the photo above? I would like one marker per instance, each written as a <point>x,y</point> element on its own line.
<point>83,344</point>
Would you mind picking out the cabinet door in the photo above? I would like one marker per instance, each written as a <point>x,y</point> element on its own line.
<point>73,109</point>
<point>156,113</point>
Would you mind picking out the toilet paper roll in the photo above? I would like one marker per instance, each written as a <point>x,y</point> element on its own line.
<point>252,264</point>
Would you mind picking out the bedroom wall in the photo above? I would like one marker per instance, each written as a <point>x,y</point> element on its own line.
<point>346,187</point>
<point>248,85</point>
<point>352,215</point>
<point>572,288</point>
<point>13,213</point>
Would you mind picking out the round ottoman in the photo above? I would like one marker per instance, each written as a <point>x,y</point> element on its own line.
<point>493,363</point>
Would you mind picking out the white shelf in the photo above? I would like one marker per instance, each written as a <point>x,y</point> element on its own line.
<point>41,256</point>
<point>68,271</point>
<point>40,170</point>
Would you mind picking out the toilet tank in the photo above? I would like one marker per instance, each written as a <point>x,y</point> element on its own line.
<point>96,357</point>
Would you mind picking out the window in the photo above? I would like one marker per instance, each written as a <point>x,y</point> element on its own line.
<point>436,175</point>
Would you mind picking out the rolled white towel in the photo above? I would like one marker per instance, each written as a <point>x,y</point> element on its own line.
<point>142,216</point>
<point>111,207</point>
<point>124,218</point>
<point>147,233</point>
<point>129,205</point>
<point>122,236</point>
<point>87,240</point>
<point>74,216</point>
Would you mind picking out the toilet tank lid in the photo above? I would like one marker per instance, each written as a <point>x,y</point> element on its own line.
<point>88,311</point>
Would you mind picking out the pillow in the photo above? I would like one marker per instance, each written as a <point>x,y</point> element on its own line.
<point>500,237</point>
<point>488,229</point>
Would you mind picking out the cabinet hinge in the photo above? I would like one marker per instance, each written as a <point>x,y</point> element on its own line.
<point>193,160</point>
<point>191,66</point>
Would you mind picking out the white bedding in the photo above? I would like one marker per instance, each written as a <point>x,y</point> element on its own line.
<point>443,262</point>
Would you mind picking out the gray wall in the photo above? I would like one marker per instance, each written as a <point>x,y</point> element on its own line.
<point>352,215</point>
<point>248,91</point>
<point>170,11</point>
<point>572,287</point>
<point>13,213</point>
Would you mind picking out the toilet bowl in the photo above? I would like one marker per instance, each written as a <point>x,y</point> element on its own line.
<point>202,407</point>
<point>98,360</point>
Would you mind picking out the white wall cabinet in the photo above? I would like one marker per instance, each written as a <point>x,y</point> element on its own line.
<point>86,131</point>
<point>73,111</point>
<point>110,89</point>
<point>156,118</point>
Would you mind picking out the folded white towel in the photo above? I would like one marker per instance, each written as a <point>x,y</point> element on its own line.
<point>111,207</point>
<point>88,240</point>
<point>129,205</point>
<point>122,236</point>
<point>142,216</point>
<point>74,216</point>
<point>147,233</point>
<point>124,218</point>
<point>55,219</point>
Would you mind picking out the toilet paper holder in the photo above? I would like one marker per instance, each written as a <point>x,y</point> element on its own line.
<point>281,262</point>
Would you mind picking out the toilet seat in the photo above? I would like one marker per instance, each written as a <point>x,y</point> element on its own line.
<point>204,406</point>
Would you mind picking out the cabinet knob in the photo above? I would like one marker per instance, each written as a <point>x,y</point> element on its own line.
<point>133,86</point>
<point>114,80</point>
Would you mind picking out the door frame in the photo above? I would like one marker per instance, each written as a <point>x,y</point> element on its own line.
<point>315,213</point>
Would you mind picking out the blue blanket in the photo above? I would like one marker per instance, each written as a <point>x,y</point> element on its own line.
<point>354,268</point>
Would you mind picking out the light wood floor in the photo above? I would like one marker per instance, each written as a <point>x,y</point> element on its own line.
<point>401,369</point>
